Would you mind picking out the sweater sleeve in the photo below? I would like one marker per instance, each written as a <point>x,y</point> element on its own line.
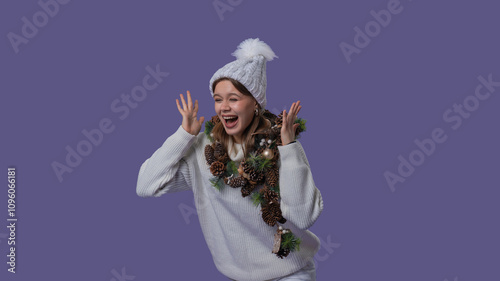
<point>301,201</point>
<point>166,170</point>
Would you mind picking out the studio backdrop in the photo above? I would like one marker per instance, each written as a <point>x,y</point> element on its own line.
<point>401,102</point>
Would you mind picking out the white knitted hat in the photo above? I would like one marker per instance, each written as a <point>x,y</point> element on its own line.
<point>249,68</point>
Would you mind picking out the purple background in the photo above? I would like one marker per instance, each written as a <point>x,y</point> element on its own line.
<point>441,223</point>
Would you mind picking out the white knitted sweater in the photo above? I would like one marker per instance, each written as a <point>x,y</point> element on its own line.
<point>239,240</point>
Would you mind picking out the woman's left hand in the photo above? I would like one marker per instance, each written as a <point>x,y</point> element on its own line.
<point>288,127</point>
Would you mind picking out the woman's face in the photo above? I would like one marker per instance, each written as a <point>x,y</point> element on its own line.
<point>238,108</point>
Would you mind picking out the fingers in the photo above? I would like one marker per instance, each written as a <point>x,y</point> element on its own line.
<point>289,118</point>
<point>179,106</point>
<point>187,106</point>
<point>289,127</point>
<point>298,107</point>
<point>295,108</point>
<point>190,101</point>
<point>184,105</point>
<point>195,106</point>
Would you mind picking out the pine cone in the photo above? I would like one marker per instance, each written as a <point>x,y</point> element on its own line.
<point>219,150</point>
<point>279,142</point>
<point>209,154</point>
<point>238,182</point>
<point>282,220</point>
<point>224,159</point>
<point>269,115</point>
<point>247,190</point>
<point>275,133</point>
<point>277,213</point>
<point>256,176</point>
<point>271,212</point>
<point>268,218</point>
<point>246,167</point>
<point>270,195</point>
<point>272,177</point>
<point>215,119</point>
<point>283,252</point>
<point>264,190</point>
<point>277,171</point>
<point>279,120</point>
<point>217,168</point>
<point>276,153</point>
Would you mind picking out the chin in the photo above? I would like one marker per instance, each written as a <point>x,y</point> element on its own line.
<point>231,133</point>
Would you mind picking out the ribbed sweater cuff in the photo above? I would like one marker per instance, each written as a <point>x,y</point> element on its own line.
<point>292,153</point>
<point>182,135</point>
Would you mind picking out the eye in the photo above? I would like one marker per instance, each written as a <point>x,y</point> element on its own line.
<point>233,99</point>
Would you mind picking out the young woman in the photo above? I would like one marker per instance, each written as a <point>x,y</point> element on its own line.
<point>253,187</point>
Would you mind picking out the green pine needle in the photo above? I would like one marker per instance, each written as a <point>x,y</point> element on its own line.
<point>265,164</point>
<point>259,162</point>
<point>302,122</point>
<point>257,198</point>
<point>208,129</point>
<point>231,169</point>
<point>217,182</point>
<point>253,160</point>
<point>290,241</point>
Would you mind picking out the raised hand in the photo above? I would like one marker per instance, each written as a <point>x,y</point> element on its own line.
<point>288,127</point>
<point>188,112</point>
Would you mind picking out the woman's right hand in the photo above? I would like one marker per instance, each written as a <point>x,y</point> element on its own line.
<point>188,112</point>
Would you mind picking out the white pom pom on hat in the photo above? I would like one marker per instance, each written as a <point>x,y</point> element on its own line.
<point>249,68</point>
<point>253,47</point>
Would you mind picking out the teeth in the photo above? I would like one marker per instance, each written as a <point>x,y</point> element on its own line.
<point>229,118</point>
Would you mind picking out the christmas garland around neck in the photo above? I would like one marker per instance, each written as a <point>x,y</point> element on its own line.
<point>259,168</point>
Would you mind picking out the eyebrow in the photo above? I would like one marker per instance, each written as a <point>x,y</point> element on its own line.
<point>230,94</point>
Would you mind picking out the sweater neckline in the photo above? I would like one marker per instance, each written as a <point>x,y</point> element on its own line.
<point>235,151</point>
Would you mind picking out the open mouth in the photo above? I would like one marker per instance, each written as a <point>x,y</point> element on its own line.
<point>230,121</point>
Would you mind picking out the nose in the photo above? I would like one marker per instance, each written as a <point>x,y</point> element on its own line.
<point>225,106</point>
